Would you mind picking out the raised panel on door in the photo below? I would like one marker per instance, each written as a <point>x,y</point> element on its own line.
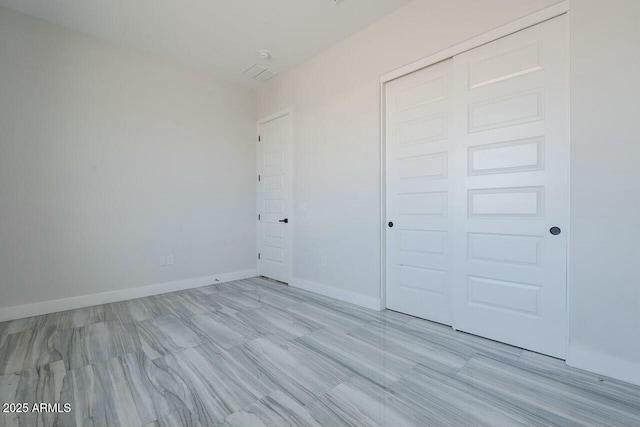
<point>511,174</point>
<point>418,167</point>
<point>274,198</point>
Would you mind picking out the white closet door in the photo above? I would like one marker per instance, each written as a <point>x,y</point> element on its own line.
<point>512,150</point>
<point>419,161</point>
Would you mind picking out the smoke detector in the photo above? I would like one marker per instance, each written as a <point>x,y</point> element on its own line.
<point>264,54</point>
<point>337,2</point>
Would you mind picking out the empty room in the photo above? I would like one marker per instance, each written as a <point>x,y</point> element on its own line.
<point>319,213</point>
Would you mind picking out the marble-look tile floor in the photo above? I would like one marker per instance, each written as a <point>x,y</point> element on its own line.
<point>258,353</point>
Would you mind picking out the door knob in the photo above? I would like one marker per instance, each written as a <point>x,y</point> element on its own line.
<point>286,220</point>
<point>390,224</point>
<point>555,230</point>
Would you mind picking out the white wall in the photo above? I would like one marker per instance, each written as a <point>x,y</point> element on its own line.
<point>605,186</point>
<point>110,159</point>
<point>335,97</point>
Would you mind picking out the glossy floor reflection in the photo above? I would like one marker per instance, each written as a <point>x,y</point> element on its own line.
<point>257,353</point>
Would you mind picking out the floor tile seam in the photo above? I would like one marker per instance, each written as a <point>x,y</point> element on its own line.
<point>483,395</point>
<point>582,399</point>
<point>351,371</point>
<point>103,361</point>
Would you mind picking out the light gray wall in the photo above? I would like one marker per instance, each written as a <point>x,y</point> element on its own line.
<point>605,178</point>
<point>335,97</point>
<point>110,159</point>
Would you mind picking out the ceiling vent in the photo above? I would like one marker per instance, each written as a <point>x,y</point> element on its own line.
<point>259,73</point>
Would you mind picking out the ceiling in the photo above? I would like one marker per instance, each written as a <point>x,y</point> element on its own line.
<point>219,37</point>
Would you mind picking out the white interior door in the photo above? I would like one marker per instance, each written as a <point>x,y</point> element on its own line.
<point>418,197</point>
<point>511,131</point>
<point>275,173</point>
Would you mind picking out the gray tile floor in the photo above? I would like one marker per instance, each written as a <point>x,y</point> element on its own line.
<point>254,353</point>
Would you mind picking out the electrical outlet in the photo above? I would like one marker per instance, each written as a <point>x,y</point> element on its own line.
<point>169,259</point>
<point>163,261</point>
<point>323,261</point>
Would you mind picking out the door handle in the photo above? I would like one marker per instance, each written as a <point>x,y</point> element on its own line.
<point>286,220</point>
<point>555,231</point>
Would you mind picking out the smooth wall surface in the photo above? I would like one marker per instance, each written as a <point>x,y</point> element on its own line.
<point>110,159</point>
<point>605,185</point>
<point>335,97</point>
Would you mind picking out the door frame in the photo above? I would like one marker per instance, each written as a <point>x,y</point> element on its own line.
<point>291,149</point>
<point>535,18</point>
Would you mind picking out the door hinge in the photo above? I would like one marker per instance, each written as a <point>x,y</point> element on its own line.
<point>259,138</point>
<point>258,255</point>
<point>258,217</point>
<point>258,178</point>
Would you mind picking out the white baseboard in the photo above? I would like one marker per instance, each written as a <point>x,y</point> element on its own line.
<point>337,293</point>
<point>604,364</point>
<point>53,306</point>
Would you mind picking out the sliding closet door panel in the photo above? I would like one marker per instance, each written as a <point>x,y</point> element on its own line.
<point>511,172</point>
<point>418,167</point>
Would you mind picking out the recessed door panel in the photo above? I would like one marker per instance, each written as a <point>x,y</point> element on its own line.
<point>518,298</point>
<point>505,111</point>
<point>504,248</point>
<point>514,62</point>
<point>424,129</point>
<point>426,166</point>
<point>422,279</point>
<point>521,155</point>
<point>422,94</point>
<point>506,202</point>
